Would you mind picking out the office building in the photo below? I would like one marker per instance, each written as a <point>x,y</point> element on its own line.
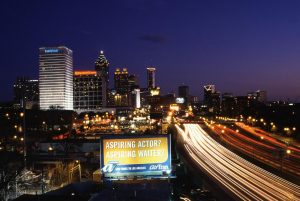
<point>121,81</point>
<point>228,105</point>
<point>137,98</point>
<point>208,91</point>
<point>151,78</point>
<point>56,78</point>
<point>183,92</point>
<point>212,99</point>
<point>102,68</point>
<point>125,84</point>
<point>89,91</point>
<point>259,95</point>
<point>243,103</point>
<point>194,99</point>
<point>133,82</point>
<point>26,92</point>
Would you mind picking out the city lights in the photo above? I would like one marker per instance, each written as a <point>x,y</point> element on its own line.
<point>223,168</point>
<point>146,100</point>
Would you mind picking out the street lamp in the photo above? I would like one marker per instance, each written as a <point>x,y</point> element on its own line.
<point>22,115</point>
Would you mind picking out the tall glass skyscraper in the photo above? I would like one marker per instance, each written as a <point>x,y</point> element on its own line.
<point>56,78</point>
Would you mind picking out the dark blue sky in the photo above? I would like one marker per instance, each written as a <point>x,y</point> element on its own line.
<point>239,46</point>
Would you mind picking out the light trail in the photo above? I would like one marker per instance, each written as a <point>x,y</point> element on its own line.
<point>267,136</point>
<point>262,149</point>
<point>240,178</point>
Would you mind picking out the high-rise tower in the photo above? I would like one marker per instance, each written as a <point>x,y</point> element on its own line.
<point>208,91</point>
<point>212,99</point>
<point>151,78</point>
<point>101,66</point>
<point>102,69</point>
<point>56,78</point>
<point>121,81</point>
<point>183,92</point>
<point>88,92</point>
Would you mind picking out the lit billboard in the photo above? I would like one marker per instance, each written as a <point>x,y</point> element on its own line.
<point>126,156</point>
<point>179,100</point>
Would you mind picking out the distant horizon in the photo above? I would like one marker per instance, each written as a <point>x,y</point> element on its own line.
<point>164,91</point>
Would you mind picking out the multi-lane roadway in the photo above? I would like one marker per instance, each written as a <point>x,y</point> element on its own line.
<point>240,178</point>
<point>261,147</point>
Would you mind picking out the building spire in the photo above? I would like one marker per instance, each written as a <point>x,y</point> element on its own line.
<point>101,62</point>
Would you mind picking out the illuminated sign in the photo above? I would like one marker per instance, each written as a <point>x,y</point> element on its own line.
<point>179,100</point>
<point>88,72</point>
<point>155,91</point>
<point>174,107</point>
<point>128,156</point>
<point>51,51</point>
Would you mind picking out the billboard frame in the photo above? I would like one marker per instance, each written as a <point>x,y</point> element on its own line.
<point>137,174</point>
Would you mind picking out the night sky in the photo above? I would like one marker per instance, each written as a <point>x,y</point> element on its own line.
<point>239,46</point>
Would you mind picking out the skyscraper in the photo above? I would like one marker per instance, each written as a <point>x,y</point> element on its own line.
<point>151,78</point>
<point>56,78</point>
<point>133,82</point>
<point>228,105</point>
<point>137,100</point>
<point>212,99</point>
<point>125,84</point>
<point>183,92</point>
<point>102,68</point>
<point>121,81</point>
<point>88,91</point>
<point>208,91</point>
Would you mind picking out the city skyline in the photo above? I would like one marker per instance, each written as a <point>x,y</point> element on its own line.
<point>237,46</point>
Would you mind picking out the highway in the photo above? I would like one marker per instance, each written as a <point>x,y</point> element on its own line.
<point>267,136</point>
<point>238,177</point>
<point>261,147</point>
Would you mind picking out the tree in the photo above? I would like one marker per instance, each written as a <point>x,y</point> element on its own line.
<point>11,165</point>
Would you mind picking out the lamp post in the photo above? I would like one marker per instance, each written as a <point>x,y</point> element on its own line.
<point>284,153</point>
<point>22,115</point>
